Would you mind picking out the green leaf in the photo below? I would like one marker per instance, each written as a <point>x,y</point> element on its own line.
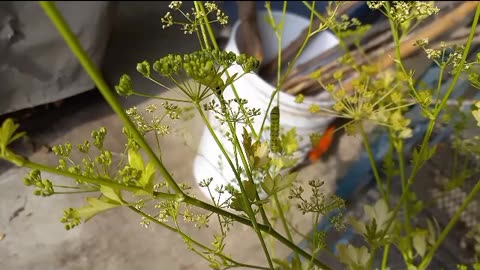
<point>282,263</point>
<point>284,162</point>
<point>94,207</point>
<point>432,233</point>
<point>247,142</point>
<point>352,256</point>
<point>379,212</point>
<point>7,134</point>
<point>135,160</point>
<point>420,242</point>
<point>250,189</point>
<point>237,203</point>
<point>358,225</point>
<point>268,184</point>
<point>260,153</point>
<point>403,245</point>
<point>113,194</point>
<point>289,141</point>
<point>147,179</point>
<point>260,202</point>
<point>286,181</point>
<point>296,263</point>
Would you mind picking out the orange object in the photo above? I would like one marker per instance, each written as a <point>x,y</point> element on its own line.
<point>323,144</point>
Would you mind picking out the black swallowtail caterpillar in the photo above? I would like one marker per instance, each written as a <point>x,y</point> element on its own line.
<point>275,130</point>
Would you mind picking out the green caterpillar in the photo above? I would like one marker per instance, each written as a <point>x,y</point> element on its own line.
<point>275,130</point>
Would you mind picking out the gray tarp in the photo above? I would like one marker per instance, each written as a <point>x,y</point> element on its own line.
<point>36,66</point>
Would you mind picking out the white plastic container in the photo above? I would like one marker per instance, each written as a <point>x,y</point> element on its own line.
<point>258,92</point>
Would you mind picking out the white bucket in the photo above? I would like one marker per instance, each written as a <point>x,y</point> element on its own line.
<point>258,92</point>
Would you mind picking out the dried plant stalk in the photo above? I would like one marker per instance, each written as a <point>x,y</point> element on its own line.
<point>407,47</point>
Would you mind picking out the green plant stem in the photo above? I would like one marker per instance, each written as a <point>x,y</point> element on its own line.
<point>396,38</point>
<point>74,44</point>
<point>90,180</point>
<point>471,196</point>
<point>156,221</point>
<point>385,257</point>
<point>372,160</point>
<point>284,222</point>
<point>462,63</point>
<point>246,201</point>
<point>439,85</point>
<point>73,192</point>
<point>315,249</point>
<point>215,46</point>
<point>161,98</point>
<point>399,149</point>
<point>199,5</point>
<point>280,40</point>
<point>202,27</point>
<point>389,174</point>
<point>241,153</point>
<point>304,44</point>
<point>431,125</point>
<point>277,89</point>
<point>402,168</point>
<point>372,258</point>
<point>285,75</point>
<point>267,229</point>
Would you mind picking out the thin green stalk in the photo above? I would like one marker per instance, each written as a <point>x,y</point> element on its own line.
<point>385,257</point>
<point>90,180</point>
<point>62,186</point>
<point>284,222</point>
<point>202,28</point>
<point>246,166</point>
<point>431,125</point>
<point>415,169</point>
<point>215,45</point>
<point>161,98</point>
<point>462,63</point>
<point>267,229</point>
<point>216,205</point>
<point>341,40</point>
<point>439,85</point>
<point>280,41</point>
<point>401,161</point>
<point>372,258</point>
<point>372,160</point>
<point>74,44</point>
<point>304,44</point>
<point>396,38</point>
<point>73,192</point>
<point>388,176</point>
<point>314,248</point>
<point>156,221</point>
<point>246,201</point>
<point>471,196</point>
<point>199,5</point>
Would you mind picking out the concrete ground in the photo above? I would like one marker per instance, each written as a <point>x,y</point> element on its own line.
<point>31,235</point>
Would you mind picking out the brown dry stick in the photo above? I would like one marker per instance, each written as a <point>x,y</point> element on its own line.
<point>250,36</point>
<point>407,47</point>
